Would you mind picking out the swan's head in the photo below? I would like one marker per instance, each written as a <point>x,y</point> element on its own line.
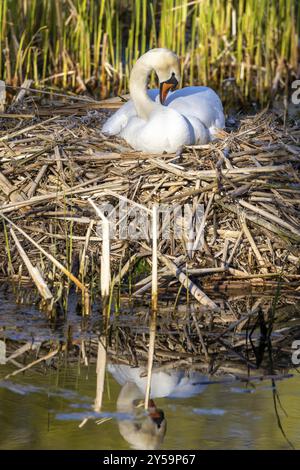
<point>168,72</point>
<point>166,65</point>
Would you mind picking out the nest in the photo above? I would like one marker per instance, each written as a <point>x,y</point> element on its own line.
<point>54,161</point>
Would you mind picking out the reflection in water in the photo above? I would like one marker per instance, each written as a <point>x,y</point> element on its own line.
<point>44,407</point>
<point>144,430</point>
<point>164,383</point>
<point>147,431</point>
<point>44,411</point>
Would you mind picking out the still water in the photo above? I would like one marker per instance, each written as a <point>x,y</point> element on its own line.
<point>53,408</point>
<point>44,411</point>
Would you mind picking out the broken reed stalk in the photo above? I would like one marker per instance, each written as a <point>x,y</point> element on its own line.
<point>202,225</point>
<point>105,291</point>
<point>254,248</point>
<point>154,300</point>
<point>48,255</point>
<point>37,361</point>
<point>84,251</point>
<point>100,371</point>
<point>34,272</point>
<point>270,216</point>
<point>155,232</point>
<point>105,255</point>
<point>2,96</point>
<point>29,128</point>
<point>199,295</point>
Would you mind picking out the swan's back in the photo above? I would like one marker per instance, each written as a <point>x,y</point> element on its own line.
<point>199,102</point>
<point>119,120</point>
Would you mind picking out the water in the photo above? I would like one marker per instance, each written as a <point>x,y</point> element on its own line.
<point>52,406</point>
<point>44,412</point>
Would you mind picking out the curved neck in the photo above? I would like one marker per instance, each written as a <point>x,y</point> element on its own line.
<point>138,89</point>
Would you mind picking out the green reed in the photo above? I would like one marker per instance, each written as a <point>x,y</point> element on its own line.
<point>92,44</point>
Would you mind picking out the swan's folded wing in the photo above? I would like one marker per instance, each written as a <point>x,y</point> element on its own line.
<point>119,120</point>
<point>166,130</point>
<point>201,102</point>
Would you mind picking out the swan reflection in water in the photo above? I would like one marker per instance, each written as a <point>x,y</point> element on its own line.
<point>147,430</point>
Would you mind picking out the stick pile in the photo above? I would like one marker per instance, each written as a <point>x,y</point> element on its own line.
<point>54,160</point>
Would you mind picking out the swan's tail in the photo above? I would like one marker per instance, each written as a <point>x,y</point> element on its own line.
<point>217,133</point>
<point>119,120</point>
<point>114,124</point>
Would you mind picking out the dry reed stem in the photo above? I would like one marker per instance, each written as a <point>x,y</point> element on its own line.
<point>100,371</point>
<point>188,284</point>
<point>154,303</point>
<point>32,364</point>
<point>34,272</point>
<point>48,255</point>
<point>105,256</point>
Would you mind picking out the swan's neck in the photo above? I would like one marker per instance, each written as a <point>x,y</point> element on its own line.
<point>138,89</point>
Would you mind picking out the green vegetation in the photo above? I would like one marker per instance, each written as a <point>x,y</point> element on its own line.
<point>92,44</point>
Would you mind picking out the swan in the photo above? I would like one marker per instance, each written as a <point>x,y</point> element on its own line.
<point>156,121</point>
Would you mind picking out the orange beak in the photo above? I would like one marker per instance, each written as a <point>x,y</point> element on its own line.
<point>165,87</point>
<point>164,90</point>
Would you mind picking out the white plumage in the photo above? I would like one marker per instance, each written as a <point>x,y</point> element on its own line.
<point>191,115</point>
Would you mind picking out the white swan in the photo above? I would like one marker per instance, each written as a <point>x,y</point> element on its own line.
<point>157,121</point>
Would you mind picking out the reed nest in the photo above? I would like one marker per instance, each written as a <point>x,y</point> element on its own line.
<point>55,163</point>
